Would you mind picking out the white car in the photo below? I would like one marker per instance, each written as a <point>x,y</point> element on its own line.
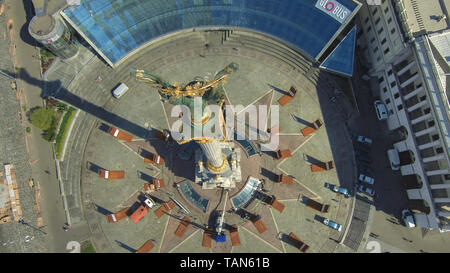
<point>366,190</point>
<point>365,140</point>
<point>149,202</point>
<point>380,108</point>
<point>408,218</point>
<point>394,159</point>
<point>366,179</point>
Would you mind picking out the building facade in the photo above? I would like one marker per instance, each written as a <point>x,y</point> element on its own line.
<point>407,57</point>
<point>54,35</point>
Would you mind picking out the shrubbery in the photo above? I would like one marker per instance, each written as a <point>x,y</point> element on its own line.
<point>42,118</point>
<point>65,124</point>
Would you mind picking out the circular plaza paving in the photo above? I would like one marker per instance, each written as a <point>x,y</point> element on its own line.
<point>262,79</point>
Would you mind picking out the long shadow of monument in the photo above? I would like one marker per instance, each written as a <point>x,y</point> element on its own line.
<point>60,93</point>
<point>54,89</point>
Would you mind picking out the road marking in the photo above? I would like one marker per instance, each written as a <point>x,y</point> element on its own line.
<point>164,232</point>
<point>301,184</point>
<point>262,240</point>
<point>253,102</point>
<point>276,226</point>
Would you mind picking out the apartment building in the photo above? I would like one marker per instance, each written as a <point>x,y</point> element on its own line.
<point>406,44</point>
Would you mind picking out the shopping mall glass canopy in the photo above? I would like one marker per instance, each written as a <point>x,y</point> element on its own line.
<point>117,27</point>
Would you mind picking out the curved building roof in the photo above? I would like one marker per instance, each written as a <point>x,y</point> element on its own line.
<point>117,27</point>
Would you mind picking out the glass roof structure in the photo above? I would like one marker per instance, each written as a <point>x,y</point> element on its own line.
<point>117,27</point>
<point>342,58</point>
<point>246,194</point>
<point>193,197</point>
<point>247,144</point>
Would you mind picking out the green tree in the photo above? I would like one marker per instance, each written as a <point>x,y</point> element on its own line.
<point>42,118</point>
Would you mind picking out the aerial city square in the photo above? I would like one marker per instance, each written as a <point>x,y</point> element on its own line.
<point>225,126</point>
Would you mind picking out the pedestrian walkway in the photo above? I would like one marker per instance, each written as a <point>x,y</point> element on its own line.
<point>16,236</point>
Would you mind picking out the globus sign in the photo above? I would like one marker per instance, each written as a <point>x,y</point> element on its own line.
<point>334,9</point>
<point>51,39</point>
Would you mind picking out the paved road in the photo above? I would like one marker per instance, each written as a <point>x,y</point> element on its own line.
<point>391,198</point>
<point>40,151</point>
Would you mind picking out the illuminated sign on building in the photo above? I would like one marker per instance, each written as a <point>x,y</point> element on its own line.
<point>334,9</point>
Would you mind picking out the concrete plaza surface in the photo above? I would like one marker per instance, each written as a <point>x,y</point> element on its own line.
<point>261,79</point>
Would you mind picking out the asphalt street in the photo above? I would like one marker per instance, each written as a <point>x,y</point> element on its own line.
<point>40,151</point>
<point>391,198</point>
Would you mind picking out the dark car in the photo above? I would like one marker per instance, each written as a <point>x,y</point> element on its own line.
<point>341,190</point>
<point>362,147</point>
<point>365,169</point>
<point>360,152</point>
<point>363,158</point>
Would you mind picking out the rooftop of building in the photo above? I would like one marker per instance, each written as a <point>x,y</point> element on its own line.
<point>138,22</point>
<point>42,25</point>
<point>427,16</point>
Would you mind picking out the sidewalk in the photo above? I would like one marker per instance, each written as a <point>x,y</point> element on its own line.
<point>39,151</point>
<point>16,237</point>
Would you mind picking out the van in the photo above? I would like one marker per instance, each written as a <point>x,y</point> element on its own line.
<point>120,90</point>
<point>394,159</point>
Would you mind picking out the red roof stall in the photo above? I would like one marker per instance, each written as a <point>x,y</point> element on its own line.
<point>139,213</point>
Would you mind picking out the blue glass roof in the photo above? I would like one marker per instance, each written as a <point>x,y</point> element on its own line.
<point>248,146</point>
<point>246,194</point>
<point>117,27</point>
<point>342,58</point>
<point>193,197</point>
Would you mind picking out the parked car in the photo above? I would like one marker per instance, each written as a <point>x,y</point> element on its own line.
<point>366,190</point>
<point>366,179</point>
<point>362,147</point>
<point>341,190</point>
<point>366,169</point>
<point>332,224</point>
<point>364,139</point>
<point>120,90</point>
<point>408,218</point>
<point>380,108</point>
<point>363,158</point>
<point>362,153</point>
<point>394,159</point>
<point>149,203</point>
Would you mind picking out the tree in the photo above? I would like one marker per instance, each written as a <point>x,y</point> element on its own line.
<point>42,118</point>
